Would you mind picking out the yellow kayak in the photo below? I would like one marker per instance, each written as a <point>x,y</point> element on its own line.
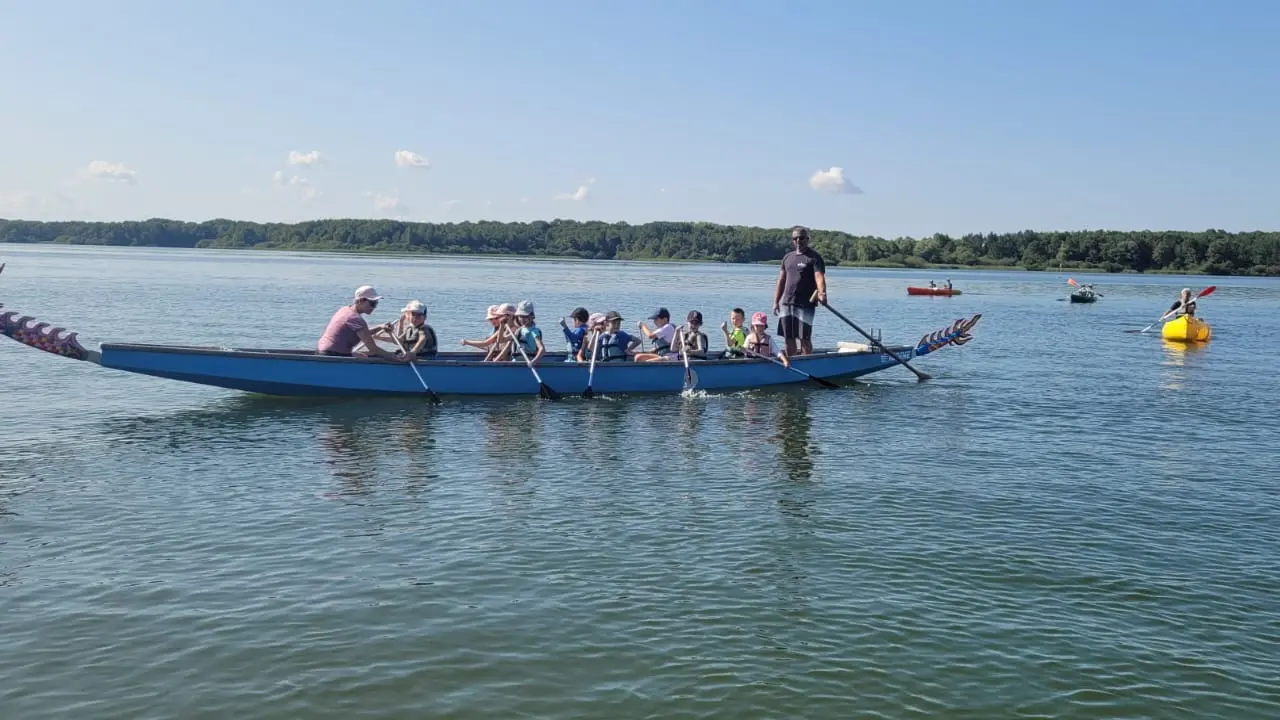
<point>1186,329</point>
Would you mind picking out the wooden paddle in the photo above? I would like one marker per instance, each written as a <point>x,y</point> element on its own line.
<point>1207,291</point>
<point>591,373</point>
<point>921,376</point>
<point>435,399</point>
<point>688,373</point>
<point>776,361</point>
<point>544,390</point>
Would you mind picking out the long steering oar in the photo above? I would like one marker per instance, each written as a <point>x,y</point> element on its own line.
<point>435,399</point>
<point>591,373</point>
<point>544,390</point>
<point>921,376</point>
<point>776,361</point>
<point>1207,291</point>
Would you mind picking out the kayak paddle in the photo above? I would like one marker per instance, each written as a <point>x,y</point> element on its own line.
<point>1207,291</point>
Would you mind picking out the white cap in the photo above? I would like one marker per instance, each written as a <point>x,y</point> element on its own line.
<point>366,292</point>
<point>524,308</point>
<point>416,307</point>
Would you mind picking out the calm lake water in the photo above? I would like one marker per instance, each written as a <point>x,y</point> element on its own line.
<point>1069,522</point>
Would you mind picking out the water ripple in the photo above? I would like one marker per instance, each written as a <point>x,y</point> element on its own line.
<point>1070,523</point>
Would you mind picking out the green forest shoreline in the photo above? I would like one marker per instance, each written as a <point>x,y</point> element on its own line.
<point>1211,252</point>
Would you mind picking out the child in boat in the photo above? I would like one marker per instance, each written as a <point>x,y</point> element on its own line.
<point>411,333</point>
<point>689,340</point>
<point>596,327</point>
<point>498,344</point>
<point>662,335</point>
<point>614,344</point>
<point>528,336</point>
<point>759,343</point>
<point>575,335</point>
<point>734,338</point>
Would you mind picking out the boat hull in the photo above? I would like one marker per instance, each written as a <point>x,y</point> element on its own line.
<point>1077,298</point>
<point>299,373</point>
<point>1186,329</point>
<point>939,292</point>
<point>305,373</point>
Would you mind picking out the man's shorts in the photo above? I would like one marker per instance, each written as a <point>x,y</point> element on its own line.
<point>795,322</point>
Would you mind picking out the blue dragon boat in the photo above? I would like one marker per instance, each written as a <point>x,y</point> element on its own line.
<point>306,373</point>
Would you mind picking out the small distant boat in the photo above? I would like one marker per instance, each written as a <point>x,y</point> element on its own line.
<point>1185,328</point>
<point>932,291</point>
<point>1084,295</point>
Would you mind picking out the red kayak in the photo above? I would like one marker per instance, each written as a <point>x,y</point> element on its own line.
<point>931,291</point>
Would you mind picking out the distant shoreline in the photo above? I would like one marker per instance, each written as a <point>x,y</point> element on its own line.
<point>1211,252</point>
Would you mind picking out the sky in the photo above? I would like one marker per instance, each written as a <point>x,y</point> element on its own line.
<point>872,117</point>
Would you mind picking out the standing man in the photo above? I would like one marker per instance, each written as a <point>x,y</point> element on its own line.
<point>803,271</point>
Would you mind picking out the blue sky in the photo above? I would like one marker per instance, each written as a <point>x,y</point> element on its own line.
<point>941,116</point>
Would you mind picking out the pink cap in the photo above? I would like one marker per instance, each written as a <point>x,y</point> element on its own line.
<point>507,308</point>
<point>493,312</point>
<point>595,319</point>
<point>759,319</point>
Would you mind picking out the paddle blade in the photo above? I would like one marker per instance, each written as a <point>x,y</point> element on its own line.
<point>1072,281</point>
<point>547,393</point>
<point>1207,291</point>
<point>588,393</point>
<point>824,383</point>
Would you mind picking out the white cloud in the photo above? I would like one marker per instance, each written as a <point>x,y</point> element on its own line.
<point>308,158</point>
<point>411,159</point>
<point>833,181</point>
<point>111,172</point>
<point>580,194</point>
<point>452,203</point>
<point>279,180</point>
<point>304,189</point>
<point>386,203</point>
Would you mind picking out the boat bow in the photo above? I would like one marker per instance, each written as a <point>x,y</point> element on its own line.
<point>41,336</point>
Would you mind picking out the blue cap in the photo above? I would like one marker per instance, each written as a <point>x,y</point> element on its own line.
<point>662,313</point>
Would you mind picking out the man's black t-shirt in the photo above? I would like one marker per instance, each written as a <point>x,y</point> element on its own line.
<point>799,267</point>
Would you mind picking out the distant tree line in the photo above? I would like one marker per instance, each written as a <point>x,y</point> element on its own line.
<point>1214,252</point>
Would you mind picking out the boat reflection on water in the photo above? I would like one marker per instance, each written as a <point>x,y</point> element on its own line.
<point>793,432</point>
<point>1178,357</point>
<point>512,439</point>
<point>360,442</point>
<point>781,419</point>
